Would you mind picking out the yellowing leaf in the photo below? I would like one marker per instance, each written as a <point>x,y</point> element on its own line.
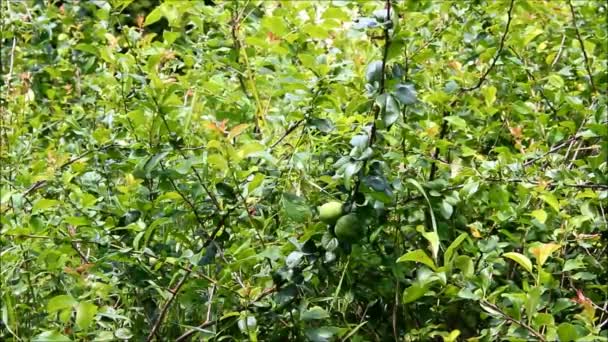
<point>237,130</point>
<point>543,251</point>
<point>474,228</point>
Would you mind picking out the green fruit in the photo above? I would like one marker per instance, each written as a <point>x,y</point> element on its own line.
<point>330,212</point>
<point>350,228</point>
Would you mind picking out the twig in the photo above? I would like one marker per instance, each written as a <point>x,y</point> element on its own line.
<point>287,132</point>
<point>9,76</point>
<point>77,158</point>
<point>580,41</point>
<point>494,307</point>
<point>395,308</point>
<point>559,52</point>
<point>540,89</point>
<point>211,293</point>
<point>235,23</point>
<point>165,307</point>
<point>499,52</point>
<point>444,124</point>
<point>189,333</point>
<point>298,123</point>
<point>199,219</point>
<point>182,281</point>
<point>552,150</point>
<point>376,109</point>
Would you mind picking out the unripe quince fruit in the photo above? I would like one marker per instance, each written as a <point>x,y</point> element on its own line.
<point>330,212</point>
<point>350,228</point>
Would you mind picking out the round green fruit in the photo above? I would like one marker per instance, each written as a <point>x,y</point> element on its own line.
<point>330,212</point>
<point>350,228</point>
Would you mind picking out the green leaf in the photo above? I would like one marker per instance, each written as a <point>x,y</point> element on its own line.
<point>452,336</point>
<point>405,93</point>
<point>447,256</point>
<point>43,204</point>
<point>551,200</point>
<point>414,292</point>
<point>85,312</point>
<point>573,264</point>
<point>296,208</point>
<point>433,239</point>
<point>540,215</point>
<point>530,33</point>
<point>153,16</point>
<point>51,336</point>
<point>533,299</point>
<point>568,332</point>
<point>489,94</point>
<point>314,313</point>
<point>418,256</point>
<point>153,162</point>
<point>389,108</point>
<point>250,149</point>
<point>433,221</point>
<point>123,334</point>
<point>446,209</point>
<point>456,122</point>
<point>275,25</point>
<point>374,71</point>
<point>322,334</point>
<point>465,264</point>
<point>521,259</point>
<point>61,302</point>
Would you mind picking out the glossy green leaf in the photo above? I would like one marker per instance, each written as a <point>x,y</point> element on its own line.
<point>418,256</point>
<point>521,259</point>
<point>85,313</point>
<point>61,302</point>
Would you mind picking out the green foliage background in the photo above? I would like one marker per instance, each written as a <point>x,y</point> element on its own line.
<point>162,164</point>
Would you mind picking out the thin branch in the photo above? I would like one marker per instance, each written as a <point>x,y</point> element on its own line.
<point>287,132</point>
<point>499,52</point>
<point>165,307</point>
<point>182,281</point>
<point>160,112</point>
<point>254,96</point>
<point>77,158</point>
<point>9,76</point>
<point>199,219</point>
<point>376,109</point>
<point>559,51</point>
<point>580,41</point>
<point>552,150</point>
<point>206,324</point>
<point>444,124</point>
<point>494,307</point>
<point>298,123</point>
<point>540,89</point>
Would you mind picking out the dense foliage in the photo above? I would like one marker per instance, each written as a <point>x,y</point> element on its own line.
<point>164,164</point>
